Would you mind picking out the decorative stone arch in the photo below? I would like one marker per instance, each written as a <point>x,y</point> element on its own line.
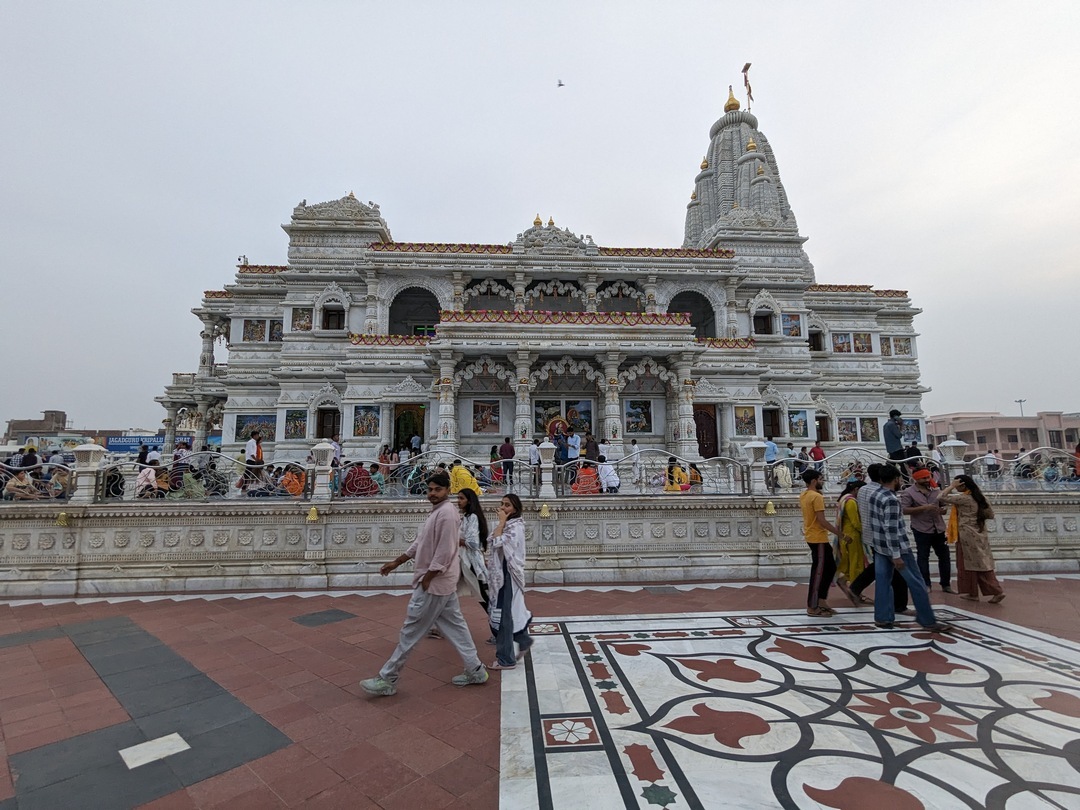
<point>332,296</point>
<point>620,289</point>
<point>824,406</point>
<point>442,289</point>
<point>647,367</point>
<point>489,286</point>
<point>328,395</point>
<point>764,301</point>
<point>713,293</point>
<point>815,323</point>
<point>555,288</point>
<point>566,364</point>
<point>484,367</point>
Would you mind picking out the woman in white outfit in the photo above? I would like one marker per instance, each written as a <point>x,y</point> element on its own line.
<point>506,580</point>
<point>474,542</point>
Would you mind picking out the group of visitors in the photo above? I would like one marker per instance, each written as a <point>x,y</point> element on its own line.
<point>454,554</point>
<point>872,543</point>
<point>27,476</point>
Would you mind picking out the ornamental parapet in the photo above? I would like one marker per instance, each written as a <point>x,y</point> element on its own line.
<point>217,294</point>
<point>727,343</point>
<point>542,317</point>
<point>261,269</point>
<point>856,288</point>
<point>388,340</point>
<point>437,247</point>
<point>669,253</point>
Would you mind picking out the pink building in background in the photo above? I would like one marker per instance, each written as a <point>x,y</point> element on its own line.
<point>1006,434</point>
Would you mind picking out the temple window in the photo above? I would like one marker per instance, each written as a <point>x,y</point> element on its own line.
<point>555,296</point>
<point>415,311</point>
<point>618,296</point>
<point>763,322</point>
<point>700,309</point>
<point>333,318</point>
<point>771,421</point>
<point>816,339</point>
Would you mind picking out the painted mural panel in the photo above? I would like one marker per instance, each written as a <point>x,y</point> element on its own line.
<point>296,424</point>
<point>247,423</point>
<point>366,421</point>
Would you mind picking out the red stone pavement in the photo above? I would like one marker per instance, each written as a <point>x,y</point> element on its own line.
<point>432,745</point>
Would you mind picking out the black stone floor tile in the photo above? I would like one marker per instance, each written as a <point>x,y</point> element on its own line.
<point>92,634</point>
<point>132,680</point>
<point>155,699</point>
<point>323,617</point>
<point>95,625</point>
<point>132,659</point>
<point>127,643</point>
<point>40,767</point>
<point>111,787</point>
<point>225,748</point>
<point>30,636</point>
<point>9,804</point>
<point>195,718</point>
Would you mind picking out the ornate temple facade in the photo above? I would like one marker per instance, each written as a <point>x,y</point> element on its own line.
<point>695,350</point>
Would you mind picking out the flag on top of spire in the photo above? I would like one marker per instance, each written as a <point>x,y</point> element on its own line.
<point>746,84</point>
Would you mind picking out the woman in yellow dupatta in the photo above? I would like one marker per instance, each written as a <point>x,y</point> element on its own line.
<point>850,558</point>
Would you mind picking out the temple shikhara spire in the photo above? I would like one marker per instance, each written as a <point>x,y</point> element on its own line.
<point>693,350</point>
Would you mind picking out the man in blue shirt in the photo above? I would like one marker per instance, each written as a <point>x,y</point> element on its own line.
<point>771,451</point>
<point>892,552</point>
<point>573,453</point>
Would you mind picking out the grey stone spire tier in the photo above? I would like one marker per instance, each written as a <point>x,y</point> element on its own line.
<point>738,190</point>
<point>334,231</point>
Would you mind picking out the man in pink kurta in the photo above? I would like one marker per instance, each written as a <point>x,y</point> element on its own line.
<point>434,601</point>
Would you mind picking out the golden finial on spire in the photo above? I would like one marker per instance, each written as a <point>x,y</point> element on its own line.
<point>551,222</point>
<point>704,164</point>
<point>352,195</point>
<point>751,146</point>
<point>537,222</point>
<point>732,102</point>
<point>760,170</point>
<point>693,195</point>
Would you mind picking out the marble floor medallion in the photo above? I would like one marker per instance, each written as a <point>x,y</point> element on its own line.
<point>777,709</point>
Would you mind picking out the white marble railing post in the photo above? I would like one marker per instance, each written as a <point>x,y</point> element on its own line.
<point>87,460</point>
<point>954,450</point>
<point>324,454</point>
<point>547,469</point>
<point>756,449</point>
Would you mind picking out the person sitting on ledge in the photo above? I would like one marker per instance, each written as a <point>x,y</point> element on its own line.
<point>294,479</point>
<point>609,479</point>
<point>676,479</point>
<point>587,481</point>
<point>146,484</point>
<point>358,483</point>
<point>377,477</point>
<point>20,487</point>
<point>461,478</point>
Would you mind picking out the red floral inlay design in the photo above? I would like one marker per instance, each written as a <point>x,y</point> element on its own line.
<point>727,632</point>
<point>800,652</point>
<point>587,647</point>
<point>644,765</point>
<point>1060,703</point>
<point>721,669</point>
<point>727,728</point>
<point>930,662</point>
<point>671,634</point>
<point>630,650</point>
<point>614,702</point>
<point>858,793</point>
<point>921,718</point>
<point>600,671</point>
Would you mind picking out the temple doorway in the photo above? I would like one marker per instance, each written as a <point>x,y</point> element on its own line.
<point>408,422</point>
<point>705,420</point>
<point>823,432</point>
<point>327,423</point>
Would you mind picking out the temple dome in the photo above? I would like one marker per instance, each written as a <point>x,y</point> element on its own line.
<point>740,192</point>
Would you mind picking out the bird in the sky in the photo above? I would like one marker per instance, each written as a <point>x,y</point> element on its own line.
<point>561,83</point>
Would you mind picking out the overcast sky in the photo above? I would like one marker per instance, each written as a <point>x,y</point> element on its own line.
<point>926,146</point>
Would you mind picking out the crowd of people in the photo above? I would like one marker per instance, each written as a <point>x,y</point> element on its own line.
<point>28,476</point>
<point>871,544</point>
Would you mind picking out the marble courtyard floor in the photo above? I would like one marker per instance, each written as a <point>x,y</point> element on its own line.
<point>691,696</point>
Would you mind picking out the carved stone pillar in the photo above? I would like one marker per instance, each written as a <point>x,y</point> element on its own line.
<point>522,405</point>
<point>590,293</point>
<point>446,437</point>
<point>520,283</point>
<point>371,314</point>
<point>201,426</point>
<point>672,417</point>
<point>687,438</point>
<point>457,299</point>
<point>170,433</point>
<point>206,356</point>
<point>650,294</point>
<point>732,314</point>
<point>612,427</point>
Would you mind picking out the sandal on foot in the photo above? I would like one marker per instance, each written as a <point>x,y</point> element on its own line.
<point>497,665</point>
<point>969,597</point>
<point>996,598</point>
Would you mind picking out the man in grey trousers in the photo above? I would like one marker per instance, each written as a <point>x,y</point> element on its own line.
<point>434,601</point>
